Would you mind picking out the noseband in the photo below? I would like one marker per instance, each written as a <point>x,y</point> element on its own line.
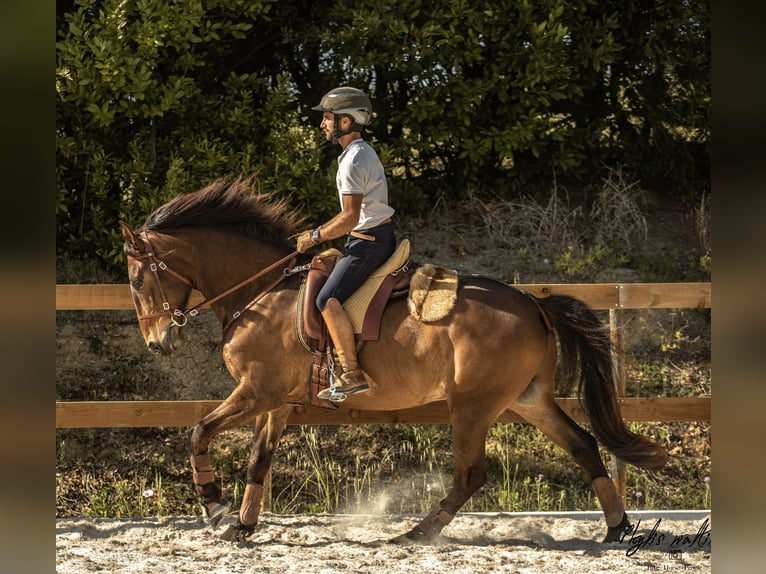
<point>179,317</point>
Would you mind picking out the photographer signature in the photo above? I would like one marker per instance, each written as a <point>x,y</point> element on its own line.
<point>655,538</point>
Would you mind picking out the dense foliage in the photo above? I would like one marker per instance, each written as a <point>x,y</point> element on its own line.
<point>155,98</point>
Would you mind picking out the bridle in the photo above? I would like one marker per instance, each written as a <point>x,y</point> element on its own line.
<point>179,317</point>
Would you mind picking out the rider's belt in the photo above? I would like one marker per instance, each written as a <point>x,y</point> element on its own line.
<point>360,235</point>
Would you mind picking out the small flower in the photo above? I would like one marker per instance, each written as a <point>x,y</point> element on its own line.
<point>539,478</point>
<point>148,493</point>
<point>706,480</point>
<point>639,494</point>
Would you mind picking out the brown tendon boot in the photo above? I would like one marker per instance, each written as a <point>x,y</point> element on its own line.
<point>352,379</point>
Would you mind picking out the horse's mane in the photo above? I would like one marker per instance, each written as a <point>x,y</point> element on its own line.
<point>233,206</point>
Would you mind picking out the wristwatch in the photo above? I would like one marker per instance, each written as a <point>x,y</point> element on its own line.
<point>315,236</point>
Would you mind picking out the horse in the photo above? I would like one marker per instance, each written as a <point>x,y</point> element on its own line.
<point>497,350</point>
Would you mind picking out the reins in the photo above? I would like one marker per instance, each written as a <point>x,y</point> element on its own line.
<point>156,265</point>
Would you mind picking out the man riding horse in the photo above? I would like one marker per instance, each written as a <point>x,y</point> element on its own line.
<point>365,220</point>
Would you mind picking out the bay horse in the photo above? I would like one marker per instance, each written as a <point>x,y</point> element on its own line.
<point>497,350</point>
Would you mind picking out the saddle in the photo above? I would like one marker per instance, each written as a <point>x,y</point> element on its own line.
<point>365,307</point>
<point>435,291</point>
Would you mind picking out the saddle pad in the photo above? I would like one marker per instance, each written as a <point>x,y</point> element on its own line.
<point>433,292</point>
<point>356,305</point>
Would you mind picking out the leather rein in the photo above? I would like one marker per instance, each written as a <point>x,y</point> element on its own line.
<point>179,317</point>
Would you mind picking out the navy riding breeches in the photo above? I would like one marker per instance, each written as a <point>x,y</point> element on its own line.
<point>362,257</point>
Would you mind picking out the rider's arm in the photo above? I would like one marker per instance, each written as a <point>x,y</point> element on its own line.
<point>345,221</point>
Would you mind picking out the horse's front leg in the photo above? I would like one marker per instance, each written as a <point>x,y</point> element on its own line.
<point>268,430</point>
<point>237,409</point>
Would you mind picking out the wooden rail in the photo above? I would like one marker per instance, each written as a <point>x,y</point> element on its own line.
<point>597,295</point>
<point>121,414</point>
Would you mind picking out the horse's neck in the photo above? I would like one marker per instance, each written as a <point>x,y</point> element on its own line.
<point>220,261</point>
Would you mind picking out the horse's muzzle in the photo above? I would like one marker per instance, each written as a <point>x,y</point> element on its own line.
<point>158,349</point>
<point>170,338</point>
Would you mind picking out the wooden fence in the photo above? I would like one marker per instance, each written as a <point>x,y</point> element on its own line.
<point>616,297</point>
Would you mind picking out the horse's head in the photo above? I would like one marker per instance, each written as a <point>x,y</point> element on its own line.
<point>159,293</point>
<point>238,219</point>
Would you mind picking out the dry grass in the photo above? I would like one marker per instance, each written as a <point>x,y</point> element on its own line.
<point>615,219</point>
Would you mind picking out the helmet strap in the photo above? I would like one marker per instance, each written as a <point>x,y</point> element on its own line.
<point>336,131</point>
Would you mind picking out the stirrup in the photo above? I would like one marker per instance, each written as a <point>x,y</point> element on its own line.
<point>339,393</point>
<point>332,395</point>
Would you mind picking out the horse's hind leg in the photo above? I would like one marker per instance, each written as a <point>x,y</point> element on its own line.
<point>583,448</point>
<point>234,411</point>
<point>469,434</point>
<point>266,434</point>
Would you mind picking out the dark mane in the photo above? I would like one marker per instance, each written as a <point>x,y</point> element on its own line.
<point>233,206</point>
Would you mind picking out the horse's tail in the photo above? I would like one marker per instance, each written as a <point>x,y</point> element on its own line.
<point>586,356</point>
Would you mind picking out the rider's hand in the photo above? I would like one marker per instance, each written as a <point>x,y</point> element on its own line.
<point>306,240</point>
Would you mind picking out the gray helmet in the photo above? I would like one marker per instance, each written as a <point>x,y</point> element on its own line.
<point>347,100</point>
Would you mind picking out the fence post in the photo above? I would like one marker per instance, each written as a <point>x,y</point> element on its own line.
<point>267,494</point>
<point>618,467</point>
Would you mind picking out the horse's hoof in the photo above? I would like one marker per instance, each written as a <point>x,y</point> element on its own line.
<point>230,534</point>
<point>402,540</point>
<point>215,511</point>
<point>615,533</point>
<point>238,532</point>
<point>414,536</point>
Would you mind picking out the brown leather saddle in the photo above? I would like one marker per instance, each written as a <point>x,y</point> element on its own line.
<point>364,308</point>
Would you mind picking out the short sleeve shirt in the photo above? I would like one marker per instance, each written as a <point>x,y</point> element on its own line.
<point>361,172</point>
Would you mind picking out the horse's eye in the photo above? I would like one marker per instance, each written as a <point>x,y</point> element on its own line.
<point>138,283</point>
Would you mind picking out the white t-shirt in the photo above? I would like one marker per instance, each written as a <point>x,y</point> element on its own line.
<point>360,172</point>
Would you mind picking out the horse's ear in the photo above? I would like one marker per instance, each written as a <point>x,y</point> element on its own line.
<point>132,241</point>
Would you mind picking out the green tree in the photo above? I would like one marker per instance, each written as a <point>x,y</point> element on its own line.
<point>659,88</point>
<point>495,93</point>
<point>159,98</point>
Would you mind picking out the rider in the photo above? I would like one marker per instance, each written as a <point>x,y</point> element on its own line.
<point>365,219</point>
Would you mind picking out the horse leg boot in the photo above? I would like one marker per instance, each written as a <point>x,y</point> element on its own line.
<point>267,431</point>
<point>352,378</point>
<point>614,512</point>
<point>213,504</point>
<point>248,515</point>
